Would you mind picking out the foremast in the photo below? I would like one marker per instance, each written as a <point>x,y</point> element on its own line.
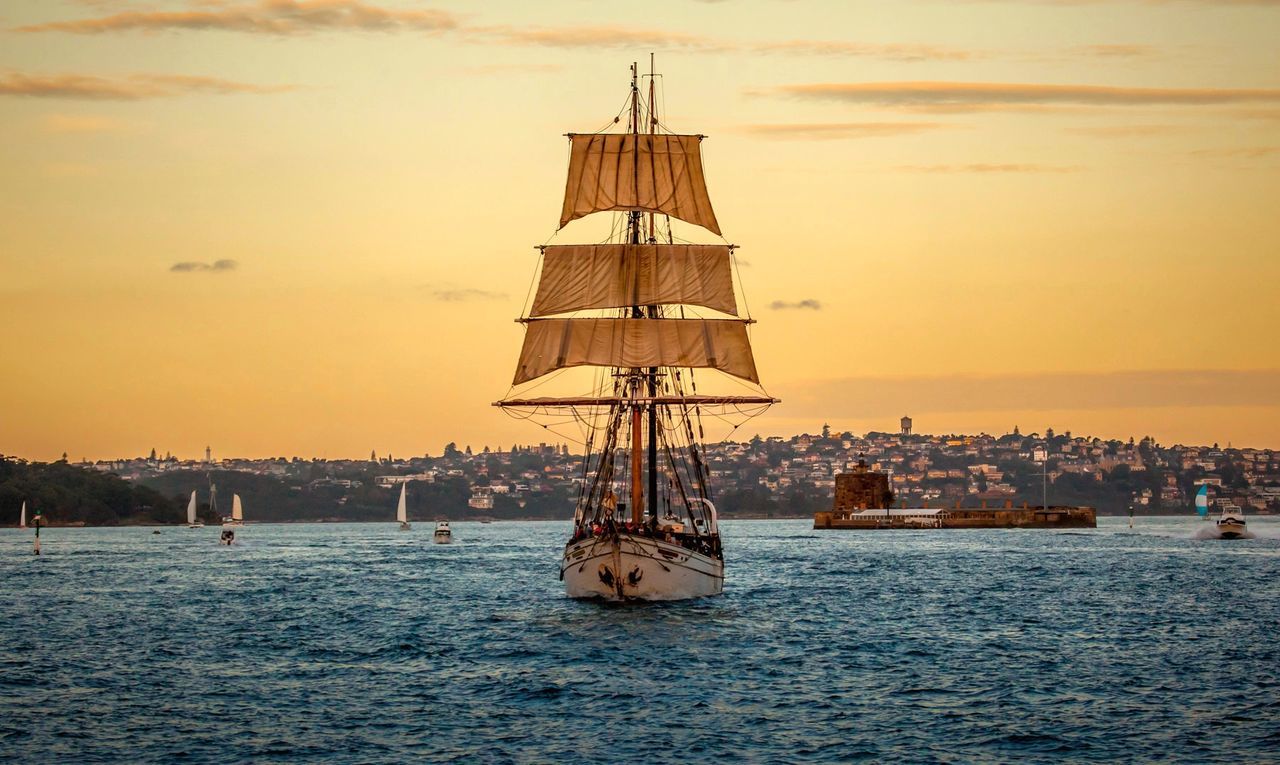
<point>645,174</point>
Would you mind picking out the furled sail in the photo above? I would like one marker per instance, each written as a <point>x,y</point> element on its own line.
<point>607,172</point>
<point>191,509</point>
<point>237,512</point>
<point>551,344</point>
<point>578,277</point>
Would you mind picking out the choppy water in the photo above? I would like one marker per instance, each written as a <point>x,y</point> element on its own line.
<point>359,643</point>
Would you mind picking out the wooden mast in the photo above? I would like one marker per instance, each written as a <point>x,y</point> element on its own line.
<point>653,314</point>
<point>633,237</point>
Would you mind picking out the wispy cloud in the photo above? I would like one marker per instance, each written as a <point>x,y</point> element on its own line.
<point>458,295</point>
<point>889,51</point>
<point>604,36</point>
<point>825,131</point>
<point>217,266</point>
<point>980,167</point>
<point>1114,50</point>
<point>613,37</point>
<point>504,69</point>
<point>994,96</point>
<point>84,123</point>
<point>875,396</point>
<point>1267,115</point>
<point>1124,131</point>
<point>131,88</point>
<point>807,304</point>
<point>1242,152</point>
<point>274,17</point>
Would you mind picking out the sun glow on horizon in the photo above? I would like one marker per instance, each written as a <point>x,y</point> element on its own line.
<point>308,233</point>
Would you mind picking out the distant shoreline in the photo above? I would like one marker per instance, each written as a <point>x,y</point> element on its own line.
<point>391,522</point>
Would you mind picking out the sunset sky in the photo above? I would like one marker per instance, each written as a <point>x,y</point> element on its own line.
<point>286,227</point>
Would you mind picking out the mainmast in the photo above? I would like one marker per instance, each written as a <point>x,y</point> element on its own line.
<point>653,314</point>
<point>637,409</point>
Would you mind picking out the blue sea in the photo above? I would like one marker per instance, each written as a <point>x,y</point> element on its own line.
<point>359,643</point>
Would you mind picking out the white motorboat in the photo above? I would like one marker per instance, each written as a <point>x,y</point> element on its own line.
<point>1231,523</point>
<point>442,535</point>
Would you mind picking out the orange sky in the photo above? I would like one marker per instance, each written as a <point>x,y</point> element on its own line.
<point>284,227</point>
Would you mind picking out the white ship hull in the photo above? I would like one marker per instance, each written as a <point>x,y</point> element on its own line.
<point>630,567</point>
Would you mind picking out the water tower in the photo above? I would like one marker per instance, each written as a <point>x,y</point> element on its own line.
<point>906,426</point>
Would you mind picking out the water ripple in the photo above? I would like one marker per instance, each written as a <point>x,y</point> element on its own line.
<point>314,643</point>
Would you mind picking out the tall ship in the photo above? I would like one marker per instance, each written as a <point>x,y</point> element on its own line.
<point>642,310</point>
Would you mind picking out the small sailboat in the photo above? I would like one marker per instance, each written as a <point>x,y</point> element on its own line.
<point>232,522</point>
<point>192,521</point>
<point>1202,502</point>
<point>22,518</point>
<point>1231,522</point>
<point>402,510</point>
<point>237,513</point>
<point>442,535</point>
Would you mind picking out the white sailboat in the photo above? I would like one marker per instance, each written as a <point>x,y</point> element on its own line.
<point>22,517</point>
<point>232,522</point>
<point>402,510</point>
<point>237,513</point>
<point>192,521</point>
<point>635,306</point>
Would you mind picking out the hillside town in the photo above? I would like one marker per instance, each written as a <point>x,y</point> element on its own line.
<point>773,476</point>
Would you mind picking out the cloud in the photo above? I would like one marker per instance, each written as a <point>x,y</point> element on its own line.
<point>131,88</point>
<point>892,51</point>
<point>806,304</point>
<point>504,69</point>
<point>996,96</point>
<point>1115,50</point>
<point>873,396</point>
<point>1269,115</point>
<point>980,167</point>
<point>821,131</point>
<point>600,37</point>
<point>274,17</point>
<point>1124,131</point>
<point>458,295</point>
<point>216,266</point>
<point>1243,152</point>
<point>613,37</point>
<point>84,123</point>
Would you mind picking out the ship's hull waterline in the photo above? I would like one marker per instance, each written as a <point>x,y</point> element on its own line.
<point>629,567</point>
